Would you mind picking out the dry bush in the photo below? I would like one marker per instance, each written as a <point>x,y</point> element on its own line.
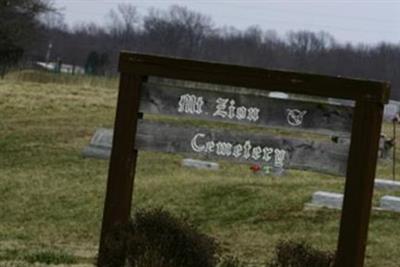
<point>155,238</point>
<point>293,254</point>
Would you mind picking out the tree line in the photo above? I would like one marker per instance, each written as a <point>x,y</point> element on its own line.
<point>179,31</point>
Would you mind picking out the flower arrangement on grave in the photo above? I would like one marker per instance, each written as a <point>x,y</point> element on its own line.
<point>256,168</point>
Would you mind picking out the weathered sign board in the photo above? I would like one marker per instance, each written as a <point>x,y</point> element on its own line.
<point>146,87</point>
<point>246,107</point>
<point>238,146</point>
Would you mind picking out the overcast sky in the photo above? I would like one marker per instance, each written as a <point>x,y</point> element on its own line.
<point>354,21</point>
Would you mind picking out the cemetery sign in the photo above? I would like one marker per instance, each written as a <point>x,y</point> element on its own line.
<point>159,85</point>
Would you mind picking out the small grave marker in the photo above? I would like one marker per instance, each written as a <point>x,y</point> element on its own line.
<point>390,203</point>
<point>327,199</point>
<point>387,184</point>
<point>391,110</point>
<point>200,164</point>
<point>100,145</point>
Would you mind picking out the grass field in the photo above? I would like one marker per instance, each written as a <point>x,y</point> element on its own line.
<point>51,198</point>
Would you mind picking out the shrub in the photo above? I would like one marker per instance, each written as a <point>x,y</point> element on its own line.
<point>155,238</point>
<point>292,254</point>
<point>158,239</point>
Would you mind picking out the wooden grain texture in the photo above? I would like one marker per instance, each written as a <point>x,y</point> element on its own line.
<point>159,98</point>
<point>117,205</point>
<point>359,184</point>
<point>285,81</point>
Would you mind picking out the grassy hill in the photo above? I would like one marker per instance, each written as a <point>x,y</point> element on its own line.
<point>51,199</point>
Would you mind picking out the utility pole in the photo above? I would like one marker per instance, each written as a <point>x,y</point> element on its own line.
<point>49,52</point>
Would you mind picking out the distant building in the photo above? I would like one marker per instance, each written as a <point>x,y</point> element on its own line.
<point>62,68</point>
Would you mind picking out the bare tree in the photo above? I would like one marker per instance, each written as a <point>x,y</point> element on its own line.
<point>123,24</point>
<point>19,27</point>
<point>178,31</point>
<point>53,20</point>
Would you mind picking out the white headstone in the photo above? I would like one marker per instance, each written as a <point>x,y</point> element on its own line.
<point>387,184</point>
<point>327,199</point>
<point>390,203</point>
<point>200,164</point>
<point>391,110</point>
<point>100,144</point>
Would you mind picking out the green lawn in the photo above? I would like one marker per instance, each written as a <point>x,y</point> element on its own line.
<point>51,198</point>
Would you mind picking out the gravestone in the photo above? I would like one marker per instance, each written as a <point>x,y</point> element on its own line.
<point>391,110</point>
<point>327,199</point>
<point>387,184</point>
<point>100,144</point>
<point>390,203</point>
<point>200,164</point>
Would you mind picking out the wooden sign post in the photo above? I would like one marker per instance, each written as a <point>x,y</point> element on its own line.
<point>139,93</point>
